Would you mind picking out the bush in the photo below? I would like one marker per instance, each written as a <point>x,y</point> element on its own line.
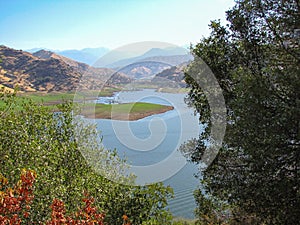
<point>33,137</point>
<point>15,202</point>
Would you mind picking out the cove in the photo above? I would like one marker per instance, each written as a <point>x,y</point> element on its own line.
<point>151,140</point>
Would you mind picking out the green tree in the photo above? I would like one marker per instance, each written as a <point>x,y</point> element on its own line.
<point>33,137</point>
<point>255,59</point>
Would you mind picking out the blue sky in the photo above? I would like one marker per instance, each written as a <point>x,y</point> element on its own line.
<point>77,24</point>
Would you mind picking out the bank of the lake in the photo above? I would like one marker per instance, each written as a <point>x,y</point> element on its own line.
<point>181,125</point>
<point>123,111</point>
<point>53,98</point>
<point>147,105</point>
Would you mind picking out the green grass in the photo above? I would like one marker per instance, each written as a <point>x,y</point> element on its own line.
<point>59,97</point>
<point>129,107</point>
<point>49,97</point>
<point>183,221</point>
<point>124,111</point>
<point>136,110</point>
<point>132,111</point>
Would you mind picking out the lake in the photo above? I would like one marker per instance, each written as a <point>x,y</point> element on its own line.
<point>150,144</point>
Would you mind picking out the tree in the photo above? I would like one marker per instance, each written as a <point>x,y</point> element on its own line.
<point>33,137</point>
<point>255,59</point>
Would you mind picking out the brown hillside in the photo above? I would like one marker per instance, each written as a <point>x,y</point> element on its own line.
<point>174,74</point>
<point>43,54</point>
<point>46,71</point>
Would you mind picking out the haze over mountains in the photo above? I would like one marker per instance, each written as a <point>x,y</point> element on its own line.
<point>86,55</point>
<point>170,55</point>
<point>47,71</point>
<point>103,57</point>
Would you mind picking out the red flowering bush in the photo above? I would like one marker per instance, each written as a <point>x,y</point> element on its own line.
<point>88,215</point>
<point>15,202</point>
<point>15,205</point>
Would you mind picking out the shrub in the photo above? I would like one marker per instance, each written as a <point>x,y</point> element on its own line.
<point>15,202</point>
<point>32,136</point>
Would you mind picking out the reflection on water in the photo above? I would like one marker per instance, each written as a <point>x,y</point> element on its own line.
<point>180,124</point>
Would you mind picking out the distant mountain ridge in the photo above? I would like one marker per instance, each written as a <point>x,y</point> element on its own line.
<point>150,63</point>
<point>43,54</point>
<point>86,55</point>
<point>174,75</point>
<point>144,70</point>
<point>153,54</point>
<point>103,57</point>
<point>46,71</point>
<point>30,73</point>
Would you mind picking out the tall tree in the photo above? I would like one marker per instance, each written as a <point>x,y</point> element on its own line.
<point>255,59</point>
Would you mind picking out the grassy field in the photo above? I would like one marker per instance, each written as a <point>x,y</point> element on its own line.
<point>59,97</point>
<point>183,221</point>
<point>53,98</point>
<point>49,98</point>
<point>126,111</point>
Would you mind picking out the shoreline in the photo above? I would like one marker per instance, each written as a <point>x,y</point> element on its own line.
<point>131,116</point>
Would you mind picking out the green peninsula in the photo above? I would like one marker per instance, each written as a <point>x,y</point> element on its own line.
<point>124,111</point>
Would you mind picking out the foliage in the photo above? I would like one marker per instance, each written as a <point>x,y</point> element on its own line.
<point>15,202</point>
<point>255,59</point>
<point>33,137</point>
<point>88,215</point>
<point>210,210</point>
<point>183,222</point>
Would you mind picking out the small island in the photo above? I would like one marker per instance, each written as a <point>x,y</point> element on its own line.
<point>123,111</point>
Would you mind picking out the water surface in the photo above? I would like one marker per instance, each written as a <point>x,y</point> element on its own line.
<point>152,139</point>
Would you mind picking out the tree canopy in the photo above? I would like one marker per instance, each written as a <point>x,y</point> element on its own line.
<point>255,58</point>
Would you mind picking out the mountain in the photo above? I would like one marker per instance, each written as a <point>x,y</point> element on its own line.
<point>172,76</point>
<point>86,55</point>
<point>43,54</point>
<point>32,50</point>
<point>97,52</point>
<point>144,70</point>
<point>90,73</point>
<point>103,57</point>
<point>30,73</point>
<point>152,53</point>
<point>147,65</point>
<point>77,55</point>
<point>47,71</point>
<point>165,52</point>
<point>173,60</point>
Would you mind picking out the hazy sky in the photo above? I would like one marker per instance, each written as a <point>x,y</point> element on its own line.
<point>77,24</point>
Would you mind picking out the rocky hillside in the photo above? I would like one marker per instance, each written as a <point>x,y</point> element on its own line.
<point>46,71</point>
<point>144,70</point>
<point>42,54</point>
<point>174,74</point>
